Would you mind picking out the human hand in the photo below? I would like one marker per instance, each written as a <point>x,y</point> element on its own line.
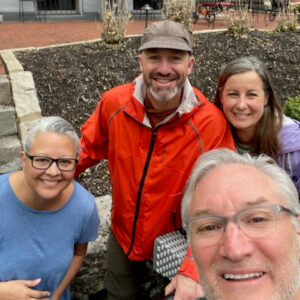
<point>185,288</point>
<point>21,290</point>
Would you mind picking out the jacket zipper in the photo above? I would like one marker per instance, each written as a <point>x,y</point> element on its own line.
<point>139,195</point>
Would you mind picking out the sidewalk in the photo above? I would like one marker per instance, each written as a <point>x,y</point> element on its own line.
<point>38,34</point>
<point>15,35</point>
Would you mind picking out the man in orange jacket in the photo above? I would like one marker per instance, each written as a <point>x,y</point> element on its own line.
<point>152,131</point>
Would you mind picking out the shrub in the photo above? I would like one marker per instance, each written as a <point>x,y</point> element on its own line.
<point>240,21</point>
<point>295,8</point>
<point>287,21</point>
<point>292,107</point>
<point>180,11</point>
<point>115,17</point>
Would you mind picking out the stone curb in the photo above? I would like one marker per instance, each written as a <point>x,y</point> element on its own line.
<point>11,62</point>
<point>24,94</point>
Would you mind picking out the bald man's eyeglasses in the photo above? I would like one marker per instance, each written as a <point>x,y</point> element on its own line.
<point>255,222</point>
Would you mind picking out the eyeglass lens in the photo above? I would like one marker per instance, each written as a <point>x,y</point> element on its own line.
<point>255,223</point>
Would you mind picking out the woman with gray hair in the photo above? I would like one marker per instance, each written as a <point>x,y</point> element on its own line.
<point>46,218</point>
<point>246,95</point>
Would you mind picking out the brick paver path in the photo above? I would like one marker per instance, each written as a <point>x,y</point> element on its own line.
<point>38,34</point>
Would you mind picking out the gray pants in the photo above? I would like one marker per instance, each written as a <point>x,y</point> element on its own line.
<point>124,277</point>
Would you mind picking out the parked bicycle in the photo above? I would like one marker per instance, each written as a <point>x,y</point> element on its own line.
<point>210,9</point>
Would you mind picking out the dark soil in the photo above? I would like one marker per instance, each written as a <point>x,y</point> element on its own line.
<point>71,79</point>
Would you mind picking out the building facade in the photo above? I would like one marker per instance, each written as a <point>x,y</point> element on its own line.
<point>79,8</point>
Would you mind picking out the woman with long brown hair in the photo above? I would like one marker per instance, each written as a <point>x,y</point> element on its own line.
<point>246,95</point>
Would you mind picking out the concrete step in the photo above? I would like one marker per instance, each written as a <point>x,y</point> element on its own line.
<point>5,94</point>
<point>9,153</point>
<point>8,124</point>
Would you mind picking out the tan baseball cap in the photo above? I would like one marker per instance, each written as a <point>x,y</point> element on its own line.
<point>167,34</point>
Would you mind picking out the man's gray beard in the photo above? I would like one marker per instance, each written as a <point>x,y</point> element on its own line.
<point>165,96</point>
<point>285,288</point>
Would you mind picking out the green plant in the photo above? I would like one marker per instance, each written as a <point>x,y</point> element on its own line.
<point>287,21</point>
<point>297,9</point>
<point>292,107</point>
<point>180,11</point>
<point>240,21</point>
<point>115,18</point>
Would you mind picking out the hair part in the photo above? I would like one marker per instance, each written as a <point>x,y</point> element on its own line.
<point>263,163</point>
<point>54,124</point>
<point>266,139</point>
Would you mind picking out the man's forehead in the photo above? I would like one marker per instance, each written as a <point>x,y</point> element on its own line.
<point>230,173</point>
<point>233,187</point>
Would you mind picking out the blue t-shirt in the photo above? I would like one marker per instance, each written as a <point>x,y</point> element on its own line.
<point>40,244</point>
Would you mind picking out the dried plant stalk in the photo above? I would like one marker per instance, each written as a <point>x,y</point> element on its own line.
<point>180,11</point>
<point>115,18</point>
<point>287,20</point>
<point>240,21</point>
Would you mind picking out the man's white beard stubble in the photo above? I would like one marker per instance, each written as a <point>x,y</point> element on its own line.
<point>166,95</point>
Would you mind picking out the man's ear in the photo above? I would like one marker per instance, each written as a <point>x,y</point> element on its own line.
<point>190,65</point>
<point>140,62</point>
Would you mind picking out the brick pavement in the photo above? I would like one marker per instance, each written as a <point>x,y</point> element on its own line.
<point>38,34</point>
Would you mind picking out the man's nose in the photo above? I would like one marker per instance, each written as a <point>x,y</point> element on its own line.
<point>164,67</point>
<point>235,245</point>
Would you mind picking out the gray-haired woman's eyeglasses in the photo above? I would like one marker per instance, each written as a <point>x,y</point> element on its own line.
<point>44,162</point>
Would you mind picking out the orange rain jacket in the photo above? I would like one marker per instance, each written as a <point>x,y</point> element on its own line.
<point>149,167</point>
